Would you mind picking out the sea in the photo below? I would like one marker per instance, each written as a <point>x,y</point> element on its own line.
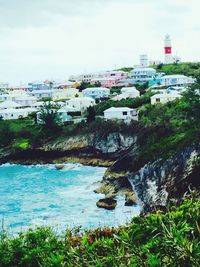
<point>42,195</point>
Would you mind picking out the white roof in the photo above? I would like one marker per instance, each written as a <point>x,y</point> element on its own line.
<point>9,104</point>
<point>26,97</point>
<point>143,69</point>
<point>18,93</point>
<point>129,89</point>
<point>42,91</point>
<point>113,109</point>
<point>96,89</point>
<point>21,110</point>
<point>174,76</point>
<point>68,109</point>
<point>84,98</point>
<point>168,95</point>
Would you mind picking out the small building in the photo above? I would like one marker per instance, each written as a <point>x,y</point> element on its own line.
<point>121,113</point>
<point>131,91</point>
<point>39,86</point>
<point>164,97</point>
<point>8,104</point>
<point>142,75</point>
<point>25,101</point>
<point>81,103</point>
<point>96,92</point>
<point>105,82</point>
<point>66,85</point>
<point>14,114</point>
<point>61,94</point>
<point>40,94</point>
<point>115,74</point>
<point>4,97</point>
<point>176,80</point>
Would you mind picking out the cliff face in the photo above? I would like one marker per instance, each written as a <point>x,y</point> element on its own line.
<point>87,149</point>
<point>161,181</point>
<point>113,143</point>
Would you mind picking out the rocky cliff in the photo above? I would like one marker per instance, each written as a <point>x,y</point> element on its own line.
<point>161,181</point>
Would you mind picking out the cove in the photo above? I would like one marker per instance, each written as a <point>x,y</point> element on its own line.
<point>40,195</point>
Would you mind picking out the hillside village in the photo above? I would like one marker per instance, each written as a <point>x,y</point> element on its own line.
<point>80,92</point>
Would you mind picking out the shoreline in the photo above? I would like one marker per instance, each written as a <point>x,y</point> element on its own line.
<point>93,162</point>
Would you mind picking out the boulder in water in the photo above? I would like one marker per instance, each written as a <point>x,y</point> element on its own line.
<point>107,203</point>
<point>59,167</point>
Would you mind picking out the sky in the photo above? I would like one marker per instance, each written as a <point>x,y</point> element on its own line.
<point>52,39</point>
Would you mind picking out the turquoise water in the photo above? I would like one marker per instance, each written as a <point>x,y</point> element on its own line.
<point>41,195</point>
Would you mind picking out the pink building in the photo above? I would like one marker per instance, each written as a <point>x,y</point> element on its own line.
<point>105,82</point>
<point>117,75</point>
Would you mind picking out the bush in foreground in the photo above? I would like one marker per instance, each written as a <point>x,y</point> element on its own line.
<point>161,239</point>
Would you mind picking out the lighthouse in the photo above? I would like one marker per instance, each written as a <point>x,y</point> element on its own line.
<point>168,50</point>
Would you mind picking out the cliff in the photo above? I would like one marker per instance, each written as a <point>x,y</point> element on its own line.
<point>159,182</point>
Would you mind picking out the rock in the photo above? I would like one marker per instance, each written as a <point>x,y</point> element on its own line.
<point>107,203</point>
<point>60,167</point>
<point>130,199</point>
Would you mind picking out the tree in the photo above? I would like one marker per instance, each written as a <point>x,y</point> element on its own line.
<point>50,118</point>
<point>6,134</point>
<point>90,114</point>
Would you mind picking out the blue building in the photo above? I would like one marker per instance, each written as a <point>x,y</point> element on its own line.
<point>96,92</point>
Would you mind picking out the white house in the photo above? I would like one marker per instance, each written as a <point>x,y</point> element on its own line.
<point>176,80</point>
<point>65,94</point>
<point>4,97</point>
<point>26,101</point>
<point>13,114</point>
<point>96,92</point>
<point>122,113</point>
<point>80,103</point>
<point>164,97</point>
<point>39,94</point>
<point>131,91</point>
<point>9,104</point>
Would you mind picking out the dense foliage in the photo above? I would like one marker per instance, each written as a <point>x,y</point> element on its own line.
<point>177,124</point>
<point>161,239</point>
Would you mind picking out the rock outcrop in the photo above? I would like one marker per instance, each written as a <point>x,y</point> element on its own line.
<point>159,182</point>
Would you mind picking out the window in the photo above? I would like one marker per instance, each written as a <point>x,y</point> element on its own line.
<point>157,100</point>
<point>124,113</point>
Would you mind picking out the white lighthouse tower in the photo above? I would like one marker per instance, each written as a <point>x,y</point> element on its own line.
<point>168,50</point>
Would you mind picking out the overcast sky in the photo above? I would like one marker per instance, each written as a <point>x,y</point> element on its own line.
<point>51,39</point>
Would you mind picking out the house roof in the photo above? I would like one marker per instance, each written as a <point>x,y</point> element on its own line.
<point>9,104</point>
<point>113,109</point>
<point>168,95</point>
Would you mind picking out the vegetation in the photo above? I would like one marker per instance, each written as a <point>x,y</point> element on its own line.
<point>177,124</point>
<point>126,69</point>
<point>49,118</point>
<point>128,102</point>
<point>85,85</point>
<point>188,69</point>
<point>90,114</point>
<point>161,239</point>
